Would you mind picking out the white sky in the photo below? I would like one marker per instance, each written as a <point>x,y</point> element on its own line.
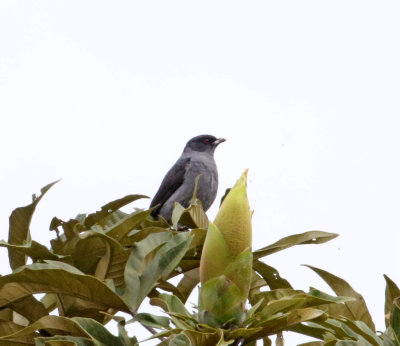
<point>106,94</point>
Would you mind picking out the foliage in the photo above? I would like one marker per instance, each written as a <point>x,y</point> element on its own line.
<point>109,262</point>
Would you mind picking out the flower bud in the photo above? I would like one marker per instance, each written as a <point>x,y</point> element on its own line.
<point>234,217</point>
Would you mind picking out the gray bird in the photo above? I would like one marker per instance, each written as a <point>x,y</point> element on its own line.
<point>178,184</point>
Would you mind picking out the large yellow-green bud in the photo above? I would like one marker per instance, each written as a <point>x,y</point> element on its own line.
<point>226,261</point>
<point>234,217</point>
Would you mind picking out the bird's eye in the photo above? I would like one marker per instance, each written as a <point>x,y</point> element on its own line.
<point>206,141</point>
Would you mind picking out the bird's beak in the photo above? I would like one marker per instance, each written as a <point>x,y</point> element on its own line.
<point>218,141</point>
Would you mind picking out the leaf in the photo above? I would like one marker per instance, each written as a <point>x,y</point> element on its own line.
<point>187,284</point>
<point>139,234</point>
<point>180,340</point>
<point>142,277</point>
<point>192,217</point>
<point>69,306</point>
<point>250,312</point>
<point>270,275</point>
<point>117,268</point>
<point>312,237</point>
<point>203,338</point>
<point>281,306</point>
<point>63,340</point>
<point>317,297</point>
<point>49,301</point>
<point>97,331</point>
<point>30,308</point>
<point>391,293</point>
<point>10,327</point>
<point>20,220</point>
<point>34,250</point>
<point>103,264</point>
<point>55,323</point>
<point>150,320</point>
<point>389,338</point>
<point>242,333</point>
<point>313,331</point>
<point>199,235</point>
<point>65,243</point>
<point>221,303</point>
<point>281,323</point>
<point>170,303</point>
<point>104,236</point>
<point>362,329</point>
<point>395,317</point>
<point>109,208</point>
<point>122,228</point>
<point>345,329</point>
<point>222,342</point>
<point>123,335</point>
<point>355,310</point>
<point>57,277</point>
<point>86,253</point>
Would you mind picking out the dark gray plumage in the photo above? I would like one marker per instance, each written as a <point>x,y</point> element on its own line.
<point>178,184</point>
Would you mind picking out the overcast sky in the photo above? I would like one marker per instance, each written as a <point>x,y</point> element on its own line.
<point>106,94</point>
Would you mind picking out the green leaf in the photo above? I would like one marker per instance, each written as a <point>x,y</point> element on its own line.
<point>30,308</point>
<point>9,327</point>
<point>65,243</point>
<point>57,277</point>
<point>345,330</point>
<point>270,275</point>
<point>280,306</point>
<point>395,317</point>
<point>109,208</point>
<point>221,303</point>
<point>20,220</point>
<point>141,277</point>
<point>242,333</point>
<point>180,340</point>
<point>391,293</point>
<point>168,287</point>
<point>187,284</point>
<point>203,338</point>
<point>171,304</point>
<point>177,212</point>
<point>389,338</point>
<point>57,324</point>
<point>252,310</point>
<point>63,340</point>
<point>139,234</point>
<point>283,322</point>
<point>150,320</point>
<point>193,216</point>
<point>97,331</point>
<point>314,331</point>
<point>34,250</point>
<point>355,310</point>
<point>312,237</point>
<point>123,335</point>
<point>222,342</point>
<point>317,297</point>
<point>131,222</point>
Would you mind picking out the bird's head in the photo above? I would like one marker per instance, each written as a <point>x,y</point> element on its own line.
<point>203,143</point>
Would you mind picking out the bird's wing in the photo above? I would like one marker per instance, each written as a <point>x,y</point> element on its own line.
<point>171,182</point>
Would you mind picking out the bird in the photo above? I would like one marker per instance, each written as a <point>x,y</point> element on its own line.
<point>197,160</point>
